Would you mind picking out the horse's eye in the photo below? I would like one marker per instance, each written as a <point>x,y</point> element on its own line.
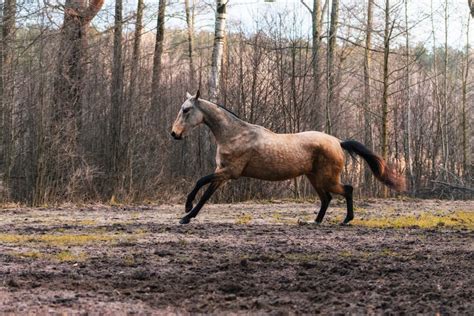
<point>186,110</point>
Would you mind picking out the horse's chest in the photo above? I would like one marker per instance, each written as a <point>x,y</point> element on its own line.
<point>228,157</point>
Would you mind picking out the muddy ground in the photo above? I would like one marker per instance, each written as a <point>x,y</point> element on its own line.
<point>240,258</point>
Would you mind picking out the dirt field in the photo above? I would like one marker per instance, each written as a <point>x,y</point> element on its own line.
<point>399,256</point>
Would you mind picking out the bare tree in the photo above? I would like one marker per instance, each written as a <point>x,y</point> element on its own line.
<point>316,18</point>
<point>7,83</point>
<point>116,94</point>
<point>190,30</point>
<point>218,49</point>
<point>465,108</point>
<point>385,95</point>
<point>157,56</point>
<point>367,85</point>
<point>407,138</point>
<point>331,81</point>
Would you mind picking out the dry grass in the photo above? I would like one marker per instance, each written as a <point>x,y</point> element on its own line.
<point>56,240</point>
<point>457,219</point>
<point>244,219</point>
<point>62,256</point>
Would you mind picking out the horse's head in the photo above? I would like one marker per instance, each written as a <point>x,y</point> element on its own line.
<point>189,116</point>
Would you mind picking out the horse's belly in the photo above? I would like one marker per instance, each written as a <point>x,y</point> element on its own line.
<point>278,165</point>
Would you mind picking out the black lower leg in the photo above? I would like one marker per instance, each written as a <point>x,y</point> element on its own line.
<point>192,195</point>
<point>325,200</point>
<point>350,208</point>
<point>193,213</point>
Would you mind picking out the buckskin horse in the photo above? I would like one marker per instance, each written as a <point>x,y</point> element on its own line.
<point>248,150</point>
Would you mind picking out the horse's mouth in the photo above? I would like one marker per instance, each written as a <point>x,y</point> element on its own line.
<point>176,136</point>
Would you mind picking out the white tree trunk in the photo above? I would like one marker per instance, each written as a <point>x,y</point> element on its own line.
<point>218,50</point>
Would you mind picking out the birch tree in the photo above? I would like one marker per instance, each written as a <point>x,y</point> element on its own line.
<point>465,108</point>
<point>218,49</point>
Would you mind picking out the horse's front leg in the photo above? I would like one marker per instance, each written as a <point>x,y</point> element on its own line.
<point>192,195</point>
<point>216,180</point>
<point>215,184</point>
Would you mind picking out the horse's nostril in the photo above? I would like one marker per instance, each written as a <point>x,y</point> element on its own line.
<point>173,134</point>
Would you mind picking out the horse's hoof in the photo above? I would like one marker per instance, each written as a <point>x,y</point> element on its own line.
<point>345,223</point>
<point>317,222</point>
<point>185,220</point>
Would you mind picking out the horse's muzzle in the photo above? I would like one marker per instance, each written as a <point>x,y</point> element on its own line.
<point>176,136</point>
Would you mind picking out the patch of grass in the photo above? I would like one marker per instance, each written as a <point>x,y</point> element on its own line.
<point>55,240</point>
<point>62,256</point>
<point>68,256</point>
<point>346,254</point>
<point>278,218</point>
<point>243,219</point>
<point>129,260</point>
<point>457,219</point>
<point>28,254</point>
<point>86,222</point>
<point>388,253</point>
<point>303,257</point>
<point>9,205</point>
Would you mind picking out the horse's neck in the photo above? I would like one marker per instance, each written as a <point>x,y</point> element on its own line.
<point>221,123</point>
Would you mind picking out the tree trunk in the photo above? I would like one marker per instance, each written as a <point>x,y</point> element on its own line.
<point>317,109</point>
<point>7,84</point>
<point>367,89</point>
<point>218,49</point>
<point>128,137</point>
<point>439,134</point>
<point>157,109</point>
<point>464,120</point>
<point>407,134</point>
<point>190,28</point>
<point>386,54</point>
<point>331,56</point>
<point>116,95</point>
<point>445,90</point>
<point>136,52</point>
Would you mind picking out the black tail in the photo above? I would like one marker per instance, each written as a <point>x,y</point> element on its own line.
<point>378,166</point>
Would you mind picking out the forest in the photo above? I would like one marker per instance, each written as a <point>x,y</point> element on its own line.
<point>89,91</point>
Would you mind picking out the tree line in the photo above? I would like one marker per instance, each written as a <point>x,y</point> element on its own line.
<point>86,108</point>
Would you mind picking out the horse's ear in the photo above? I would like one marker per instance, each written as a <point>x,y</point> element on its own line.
<point>198,94</point>
<point>188,95</point>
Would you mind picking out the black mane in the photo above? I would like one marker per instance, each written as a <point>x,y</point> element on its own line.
<point>227,110</point>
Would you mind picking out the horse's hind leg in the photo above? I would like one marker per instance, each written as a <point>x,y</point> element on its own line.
<point>346,191</point>
<point>324,196</point>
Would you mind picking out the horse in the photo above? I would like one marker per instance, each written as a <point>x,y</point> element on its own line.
<point>249,150</point>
